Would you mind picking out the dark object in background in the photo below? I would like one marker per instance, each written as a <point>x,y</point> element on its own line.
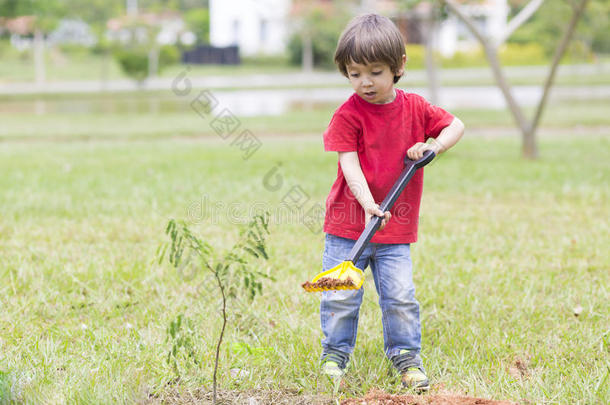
<point>207,54</point>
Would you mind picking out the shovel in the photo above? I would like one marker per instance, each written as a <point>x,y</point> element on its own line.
<point>346,276</point>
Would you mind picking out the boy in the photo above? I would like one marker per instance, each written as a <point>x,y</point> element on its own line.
<point>372,131</point>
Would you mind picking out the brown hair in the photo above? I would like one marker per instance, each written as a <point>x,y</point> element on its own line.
<point>370,38</point>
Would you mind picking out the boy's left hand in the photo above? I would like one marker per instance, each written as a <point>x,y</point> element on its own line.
<point>416,151</point>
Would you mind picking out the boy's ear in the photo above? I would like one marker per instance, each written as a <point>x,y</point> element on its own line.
<point>401,70</point>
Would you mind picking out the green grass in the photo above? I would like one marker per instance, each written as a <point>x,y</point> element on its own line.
<point>508,252</point>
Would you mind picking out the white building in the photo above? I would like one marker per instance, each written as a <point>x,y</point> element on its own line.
<point>256,26</point>
<point>491,17</point>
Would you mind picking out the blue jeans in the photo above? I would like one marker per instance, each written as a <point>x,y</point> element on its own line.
<point>391,268</point>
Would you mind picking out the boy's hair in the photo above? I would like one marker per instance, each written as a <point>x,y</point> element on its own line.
<point>370,38</point>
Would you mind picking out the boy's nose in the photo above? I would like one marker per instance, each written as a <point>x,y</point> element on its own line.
<point>367,82</point>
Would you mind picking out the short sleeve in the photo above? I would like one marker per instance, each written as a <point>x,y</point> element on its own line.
<point>341,134</point>
<point>435,120</point>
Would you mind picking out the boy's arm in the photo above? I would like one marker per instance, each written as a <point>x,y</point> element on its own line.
<point>448,137</point>
<point>350,165</point>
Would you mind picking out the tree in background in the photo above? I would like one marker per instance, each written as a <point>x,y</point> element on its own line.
<point>96,13</point>
<point>46,14</point>
<point>198,21</point>
<point>490,46</point>
<point>318,27</point>
<point>430,14</point>
<point>548,23</point>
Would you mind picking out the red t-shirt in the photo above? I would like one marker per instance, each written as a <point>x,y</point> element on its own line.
<point>381,134</point>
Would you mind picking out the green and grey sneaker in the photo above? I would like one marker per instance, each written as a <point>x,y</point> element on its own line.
<point>415,378</point>
<point>412,373</point>
<point>332,370</point>
<point>334,365</point>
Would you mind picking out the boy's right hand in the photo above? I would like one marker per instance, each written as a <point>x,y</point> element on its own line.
<point>373,210</point>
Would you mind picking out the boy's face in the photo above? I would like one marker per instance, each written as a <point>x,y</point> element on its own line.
<point>373,82</point>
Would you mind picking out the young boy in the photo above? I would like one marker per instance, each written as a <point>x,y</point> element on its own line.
<point>372,131</point>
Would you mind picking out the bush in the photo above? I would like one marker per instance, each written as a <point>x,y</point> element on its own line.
<point>74,50</point>
<point>133,61</point>
<point>523,54</point>
<point>323,44</point>
<point>510,54</point>
<point>472,58</point>
<point>168,55</point>
<point>324,24</point>
<point>416,56</point>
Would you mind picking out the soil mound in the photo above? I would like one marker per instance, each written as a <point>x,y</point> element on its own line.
<point>376,397</point>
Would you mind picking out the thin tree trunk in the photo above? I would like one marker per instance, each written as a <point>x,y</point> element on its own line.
<point>516,111</point>
<point>307,54</point>
<point>222,332</point>
<point>528,129</point>
<point>494,62</point>
<point>39,65</point>
<point>559,52</point>
<point>431,67</point>
<point>518,20</point>
<point>104,69</point>
<point>153,61</point>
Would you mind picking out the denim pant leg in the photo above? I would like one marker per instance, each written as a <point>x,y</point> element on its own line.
<point>339,310</point>
<point>392,272</point>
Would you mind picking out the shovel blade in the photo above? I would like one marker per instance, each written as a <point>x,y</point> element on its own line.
<point>337,278</point>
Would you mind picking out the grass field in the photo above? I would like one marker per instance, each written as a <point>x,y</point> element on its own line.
<point>512,265</point>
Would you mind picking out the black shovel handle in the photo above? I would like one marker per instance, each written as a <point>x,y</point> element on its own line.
<point>411,167</point>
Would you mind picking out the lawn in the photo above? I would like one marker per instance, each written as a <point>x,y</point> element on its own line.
<point>511,267</point>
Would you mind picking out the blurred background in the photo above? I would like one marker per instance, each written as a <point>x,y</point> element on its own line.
<point>271,62</point>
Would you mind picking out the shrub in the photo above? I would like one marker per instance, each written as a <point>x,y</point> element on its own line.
<point>323,23</point>
<point>522,54</point>
<point>168,55</point>
<point>133,61</point>
<point>416,56</point>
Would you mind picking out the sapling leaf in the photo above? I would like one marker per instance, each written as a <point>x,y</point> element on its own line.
<point>251,251</point>
<point>161,252</point>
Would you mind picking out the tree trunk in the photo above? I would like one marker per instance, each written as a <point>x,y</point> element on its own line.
<point>528,129</point>
<point>104,69</point>
<point>307,54</point>
<point>559,52</point>
<point>522,122</point>
<point>153,61</point>
<point>430,60</point>
<point>39,63</point>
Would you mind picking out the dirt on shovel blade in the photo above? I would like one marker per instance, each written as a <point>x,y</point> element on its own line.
<point>329,283</point>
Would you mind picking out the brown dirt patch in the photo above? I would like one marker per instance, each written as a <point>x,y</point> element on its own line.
<point>329,283</point>
<point>377,397</point>
<point>226,397</point>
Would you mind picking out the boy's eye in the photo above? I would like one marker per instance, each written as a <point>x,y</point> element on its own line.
<point>354,74</point>
<point>378,72</point>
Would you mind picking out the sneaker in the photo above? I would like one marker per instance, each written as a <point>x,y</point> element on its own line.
<point>332,370</point>
<point>334,365</point>
<point>413,375</point>
<point>415,378</point>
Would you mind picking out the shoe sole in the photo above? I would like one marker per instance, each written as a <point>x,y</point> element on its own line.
<point>416,388</point>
